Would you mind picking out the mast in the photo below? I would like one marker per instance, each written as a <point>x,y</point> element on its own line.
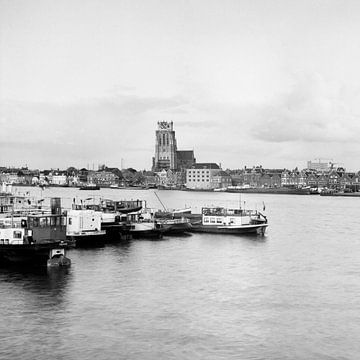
<point>160,201</point>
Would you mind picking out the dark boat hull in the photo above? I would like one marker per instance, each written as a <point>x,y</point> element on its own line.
<point>31,254</point>
<point>129,210</point>
<point>148,234</point>
<point>89,188</point>
<point>87,240</point>
<point>176,229</point>
<point>282,190</point>
<point>116,231</point>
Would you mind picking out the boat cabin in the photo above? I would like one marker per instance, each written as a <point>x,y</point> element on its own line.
<point>83,221</point>
<point>11,232</point>
<point>220,216</point>
<point>30,229</point>
<point>47,227</point>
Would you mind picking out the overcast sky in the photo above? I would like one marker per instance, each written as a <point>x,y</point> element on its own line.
<point>246,82</point>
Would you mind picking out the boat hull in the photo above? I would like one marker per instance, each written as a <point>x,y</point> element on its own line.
<point>149,234</point>
<point>176,228</point>
<point>235,230</point>
<point>281,190</point>
<point>88,240</point>
<point>30,254</point>
<point>89,188</point>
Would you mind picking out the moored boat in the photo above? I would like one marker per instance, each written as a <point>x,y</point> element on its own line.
<point>90,186</point>
<point>174,226</point>
<point>270,190</point>
<point>143,225</point>
<point>36,240</point>
<point>115,227</point>
<point>84,227</point>
<point>230,221</point>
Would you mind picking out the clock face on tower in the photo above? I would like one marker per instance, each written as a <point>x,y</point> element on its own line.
<point>163,125</point>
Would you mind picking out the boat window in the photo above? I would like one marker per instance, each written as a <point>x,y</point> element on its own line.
<point>43,222</point>
<point>232,220</point>
<point>17,235</point>
<point>212,220</point>
<point>52,221</point>
<point>206,220</point>
<point>2,241</point>
<point>6,242</point>
<point>219,220</point>
<point>35,222</point>
<point>70,221</point>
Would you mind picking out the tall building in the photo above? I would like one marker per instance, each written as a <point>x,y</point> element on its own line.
<point>166,154</point>
<point>319,165</point>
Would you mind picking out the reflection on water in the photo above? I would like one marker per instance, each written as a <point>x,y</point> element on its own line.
<point>49,283</point>
<point>293,294</point>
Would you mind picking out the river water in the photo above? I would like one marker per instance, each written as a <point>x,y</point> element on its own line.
<point>293,294</point>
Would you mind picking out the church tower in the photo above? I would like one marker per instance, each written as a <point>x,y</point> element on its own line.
<point>165,147</point>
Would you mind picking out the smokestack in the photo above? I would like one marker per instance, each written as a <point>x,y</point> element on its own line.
<point>55,205</point>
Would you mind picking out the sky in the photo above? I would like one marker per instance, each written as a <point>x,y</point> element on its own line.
<point>246,82</point>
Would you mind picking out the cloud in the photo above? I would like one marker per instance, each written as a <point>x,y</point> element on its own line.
<point>314,111</point>
<point>105,129</point>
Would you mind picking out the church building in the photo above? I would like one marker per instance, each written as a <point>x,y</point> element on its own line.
<point>167,156</point>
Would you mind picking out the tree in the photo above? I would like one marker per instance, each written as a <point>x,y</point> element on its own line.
<point>71,170</point>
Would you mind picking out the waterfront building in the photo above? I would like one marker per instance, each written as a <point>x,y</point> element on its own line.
<point>150,179</point>
<point>102,178</point>
<point>201,176</point>
<point>221,180</point>
<point>345,181</point>
<point>302,178</point>
<point>312,180</point>
<point>59,179</point>
<point>322,180</point>
<point>252,176</point>
<point>11,178</point>
<point>168,178</point>
<point>285,178</point>
<point>237,177</point>
<point>167,155</point>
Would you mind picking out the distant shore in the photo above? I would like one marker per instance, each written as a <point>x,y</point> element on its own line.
<point>279,190</point>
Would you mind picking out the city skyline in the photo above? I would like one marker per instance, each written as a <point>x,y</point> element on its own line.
<point>245,82</point>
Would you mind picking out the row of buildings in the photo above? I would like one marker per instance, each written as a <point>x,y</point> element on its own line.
<point>257,177</point>
<point>57,177</point>
<point>173,168</point>
<point>200,176</point>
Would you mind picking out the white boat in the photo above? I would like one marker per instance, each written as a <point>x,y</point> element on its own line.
<point>230,221</point>
<point>84,227</point>
<point>143,225</point>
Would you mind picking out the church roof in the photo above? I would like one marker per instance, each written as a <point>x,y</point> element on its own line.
<point>205,166</point>
<point>185,154</point>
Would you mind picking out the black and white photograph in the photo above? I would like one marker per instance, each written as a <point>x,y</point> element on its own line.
<point>179,179</point>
